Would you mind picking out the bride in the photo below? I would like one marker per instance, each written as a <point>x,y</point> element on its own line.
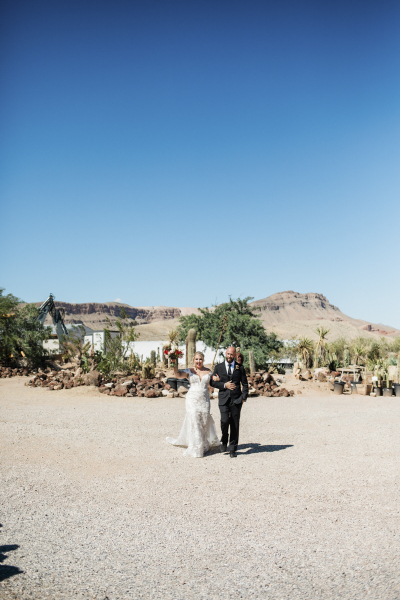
<point>198,430</point>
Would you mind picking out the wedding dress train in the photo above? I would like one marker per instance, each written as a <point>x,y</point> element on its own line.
<point>198,430</point>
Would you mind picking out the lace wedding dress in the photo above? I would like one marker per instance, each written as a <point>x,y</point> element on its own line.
<point>198,430</point>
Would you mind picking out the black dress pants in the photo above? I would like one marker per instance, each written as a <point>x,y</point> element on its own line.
<point>230,418</point>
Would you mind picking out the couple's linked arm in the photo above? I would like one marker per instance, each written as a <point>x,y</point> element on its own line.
<point>221,386</point>
<point>216,384</point>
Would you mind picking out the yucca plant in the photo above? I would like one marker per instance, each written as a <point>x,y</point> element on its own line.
<point>320,346</point>
<point>359,351</point>
<point>305,349</point>
<point>380,370</point>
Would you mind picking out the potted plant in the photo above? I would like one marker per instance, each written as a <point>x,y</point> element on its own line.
<point>388,390</point>
<point>380,374</point>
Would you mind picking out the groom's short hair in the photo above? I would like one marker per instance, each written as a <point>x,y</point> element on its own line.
<point>233,348</point>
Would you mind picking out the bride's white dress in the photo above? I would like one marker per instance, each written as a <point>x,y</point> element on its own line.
<point>198,430</point>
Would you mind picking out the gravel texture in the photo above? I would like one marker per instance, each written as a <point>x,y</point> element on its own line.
<point>96,505</point>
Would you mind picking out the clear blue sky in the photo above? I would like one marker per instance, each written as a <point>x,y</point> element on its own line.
<point>176,153</point>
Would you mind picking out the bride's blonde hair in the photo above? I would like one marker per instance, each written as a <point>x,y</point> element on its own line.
<point>198,354</point>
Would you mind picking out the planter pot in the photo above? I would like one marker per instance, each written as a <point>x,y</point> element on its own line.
<point>387,392</point>
<point>338,387</point>
<point>378,391</point>
<point>354,387</point>
<point>396,389</point>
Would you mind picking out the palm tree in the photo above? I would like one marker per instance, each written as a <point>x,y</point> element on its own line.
<point>320,346</point>
<point>305,348</point>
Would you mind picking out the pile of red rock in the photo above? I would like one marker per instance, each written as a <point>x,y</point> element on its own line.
<point>67,377</point>
<point>58,377</point>
<point>9,372</point>
<point>264,384</point>
<point>134,385</point>
<point>64,379</point>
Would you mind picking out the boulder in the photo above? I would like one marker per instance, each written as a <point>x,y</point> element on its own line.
<point>120,391</point>
<point>92,378</point>
<point>182,390</point>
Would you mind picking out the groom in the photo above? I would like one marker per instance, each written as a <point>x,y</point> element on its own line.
<point>230,398</point>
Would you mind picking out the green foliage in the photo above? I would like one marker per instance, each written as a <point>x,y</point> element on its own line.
<point>148,369</point>
<point>374,352</point>
<point>21,334</point>
<point>274,368</point>
<point>242,329</point>
<point>116,348</point>
<point>305,349</point>
<point>359,349</point>
<point>74,347</point>
<point>321,346</point>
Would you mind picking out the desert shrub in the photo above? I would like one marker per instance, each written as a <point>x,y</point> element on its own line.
<point>115,353</point>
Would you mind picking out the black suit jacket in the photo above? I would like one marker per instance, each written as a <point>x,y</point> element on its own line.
<point>238,377</point>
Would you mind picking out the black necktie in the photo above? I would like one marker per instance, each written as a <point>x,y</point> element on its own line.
<point>230,372</point>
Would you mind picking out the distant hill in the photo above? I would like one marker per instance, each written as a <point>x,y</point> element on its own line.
<point>288,314</point>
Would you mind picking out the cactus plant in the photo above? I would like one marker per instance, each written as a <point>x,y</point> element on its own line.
<point>346,360</point>
<point>191,346</point>
<point>153,357</point>
<point>147,370</point>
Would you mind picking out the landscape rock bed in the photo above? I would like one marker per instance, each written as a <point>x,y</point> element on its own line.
<point>261,383</point>
<point>17,372</point>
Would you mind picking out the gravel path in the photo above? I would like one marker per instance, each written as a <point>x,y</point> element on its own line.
<point>96,505</point>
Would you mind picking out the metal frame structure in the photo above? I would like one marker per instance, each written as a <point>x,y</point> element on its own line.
<point>57,314</point>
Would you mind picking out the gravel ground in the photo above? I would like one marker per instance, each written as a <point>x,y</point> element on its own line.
<point>96,505</point>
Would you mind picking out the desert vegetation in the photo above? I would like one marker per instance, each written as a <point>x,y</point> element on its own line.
<point>242,329</point>
<point>21,334</point>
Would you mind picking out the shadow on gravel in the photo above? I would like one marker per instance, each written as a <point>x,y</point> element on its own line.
<point>256,448</point>
<point>7,571</point>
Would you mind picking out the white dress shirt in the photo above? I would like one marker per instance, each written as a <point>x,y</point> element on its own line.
<point>232,365</point>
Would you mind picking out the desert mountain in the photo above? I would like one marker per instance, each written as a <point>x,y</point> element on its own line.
<point>95,315</point>
<point>288,314</point>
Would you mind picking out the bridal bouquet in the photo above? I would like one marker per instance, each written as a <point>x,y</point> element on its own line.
<point>173,355</point>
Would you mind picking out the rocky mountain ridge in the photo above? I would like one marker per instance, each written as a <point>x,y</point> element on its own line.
<point>289,314</point>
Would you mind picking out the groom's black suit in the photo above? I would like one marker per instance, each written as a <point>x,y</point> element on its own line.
<point>230,401</point>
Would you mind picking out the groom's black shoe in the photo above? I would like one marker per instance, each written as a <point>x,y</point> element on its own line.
<point>232,454</point>
<point>223,448</point>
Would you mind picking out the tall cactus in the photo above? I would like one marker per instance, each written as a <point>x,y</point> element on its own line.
<point>191,346</point>
<point>153,357</point>
<point>252,362</point>
<point>346,358</point>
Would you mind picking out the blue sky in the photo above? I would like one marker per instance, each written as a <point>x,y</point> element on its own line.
<point>176,153</point>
